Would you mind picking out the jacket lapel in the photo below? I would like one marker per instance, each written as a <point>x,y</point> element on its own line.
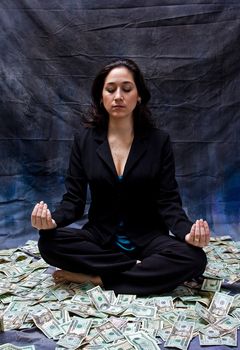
<point>138,149</point>
<point>103,150</point>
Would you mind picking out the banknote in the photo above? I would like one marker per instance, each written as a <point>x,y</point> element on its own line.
<point>229,339</point>
<point>70,341</point>
<point>142,341</point>
<point>98,298</point>
<point>45,321</point>
<point>220,304</point>
<point>121,345</point>
<point>61,291</point>
<point>181,335</point>
<point>164,304</point>
<point>81,298</point>
<point>222,327</point>
<point>125,299</point>
<point>139,310</point>
<point>211,285</point>
<point>205,313</point>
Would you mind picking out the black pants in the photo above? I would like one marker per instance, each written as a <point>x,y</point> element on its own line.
<point>165,262</point>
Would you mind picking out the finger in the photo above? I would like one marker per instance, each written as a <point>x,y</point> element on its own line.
<point>189,238</point>
<point>50,221</point>
<point>202,237</point>
<point>197,233</point>
<point>44,212</point>
<point>39,215</point>
<point>44,216</point>
<point>192,233</point>
<point>33,215</point>
<point>207,232</point>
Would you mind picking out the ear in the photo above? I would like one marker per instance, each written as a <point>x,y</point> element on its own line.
<point>139,100</point>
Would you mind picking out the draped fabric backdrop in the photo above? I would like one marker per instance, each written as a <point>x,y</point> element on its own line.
<point>51,50</point>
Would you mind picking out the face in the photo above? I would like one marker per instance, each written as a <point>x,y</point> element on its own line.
<point>120,95</point>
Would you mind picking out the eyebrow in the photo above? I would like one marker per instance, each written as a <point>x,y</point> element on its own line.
<point>124,82</point>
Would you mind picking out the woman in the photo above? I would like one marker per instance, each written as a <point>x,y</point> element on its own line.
<point>129,167</point>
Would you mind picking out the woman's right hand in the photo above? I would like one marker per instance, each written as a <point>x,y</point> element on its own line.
<point>41,217</point>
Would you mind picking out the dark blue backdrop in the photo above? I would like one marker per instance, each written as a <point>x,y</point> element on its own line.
<point>50,53</point>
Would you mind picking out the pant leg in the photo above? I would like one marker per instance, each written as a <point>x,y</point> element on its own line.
<point>166,263</point>
<point>78,250</point>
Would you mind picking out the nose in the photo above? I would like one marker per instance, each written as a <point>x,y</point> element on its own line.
<point>118,95</point>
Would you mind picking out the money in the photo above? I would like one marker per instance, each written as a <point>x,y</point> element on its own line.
<point>70,341</point>
<point>98,298</point>
<point>122,345</point>
<point>109,332</point>
<point>220,304</point>
<point>139,310</point>
<point>229,339</point>
<point>9,346</point>
<point>91,318</point>
<point>125,299</point>
<point>181,335</point>
<point>205,313</point>
<point>142,341</point>
<point>164,304</point>
<point>45,321</point>
<point>1,323</point>
<point>211,285</point>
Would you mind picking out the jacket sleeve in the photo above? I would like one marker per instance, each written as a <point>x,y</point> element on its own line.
<point>71,207</point>
<point>169,201</point>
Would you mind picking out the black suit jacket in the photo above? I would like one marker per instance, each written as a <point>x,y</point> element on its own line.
<point>146,200</point>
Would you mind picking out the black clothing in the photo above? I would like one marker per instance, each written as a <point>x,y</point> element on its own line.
<point>146,201</point>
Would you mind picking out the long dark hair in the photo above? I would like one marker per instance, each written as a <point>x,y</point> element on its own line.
<point>98,116</point>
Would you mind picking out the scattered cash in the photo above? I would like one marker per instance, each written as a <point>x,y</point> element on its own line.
<point>9,346</point>
<point>84,316</point>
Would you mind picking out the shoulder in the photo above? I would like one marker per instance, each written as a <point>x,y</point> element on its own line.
<point>159,136</point>
<point>83,134</point>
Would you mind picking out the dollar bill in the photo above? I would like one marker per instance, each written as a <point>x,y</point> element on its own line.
<point>220,304</point>
<point>211,285</point>
<point>229,339</point>
<point>181,335</point>
<point>222,327</point>
<point>81,298</point>
<point>125,299</point>
<point>142,341</point>
<point>45,321</point>
<point>122,345</point>
<point>70,341</point>
<point>205,313</point>
<point>98,298</point>
<point>62,292</point>
<point>139,310</point>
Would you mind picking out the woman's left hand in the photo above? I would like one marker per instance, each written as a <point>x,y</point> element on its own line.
<point>199,235</point>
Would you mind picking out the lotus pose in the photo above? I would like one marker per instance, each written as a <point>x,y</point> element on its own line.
<point>138,239</point>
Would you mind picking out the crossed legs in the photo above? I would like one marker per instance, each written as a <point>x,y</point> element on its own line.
<point>165,262</point>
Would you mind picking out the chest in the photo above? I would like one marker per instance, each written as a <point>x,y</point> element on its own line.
<point>120,150</point>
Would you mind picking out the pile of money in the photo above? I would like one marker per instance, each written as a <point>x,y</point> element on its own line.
<point>84,316</point>
<point>9,346</point>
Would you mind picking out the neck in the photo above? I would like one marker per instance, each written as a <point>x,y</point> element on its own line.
<point>120,127</point>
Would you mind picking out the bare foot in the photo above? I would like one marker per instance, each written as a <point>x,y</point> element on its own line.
<point>63,276</point>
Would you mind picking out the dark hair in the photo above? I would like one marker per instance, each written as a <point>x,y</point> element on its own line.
<point>98,116</point>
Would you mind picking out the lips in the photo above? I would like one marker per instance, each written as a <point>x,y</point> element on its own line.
<point>118,106</point>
